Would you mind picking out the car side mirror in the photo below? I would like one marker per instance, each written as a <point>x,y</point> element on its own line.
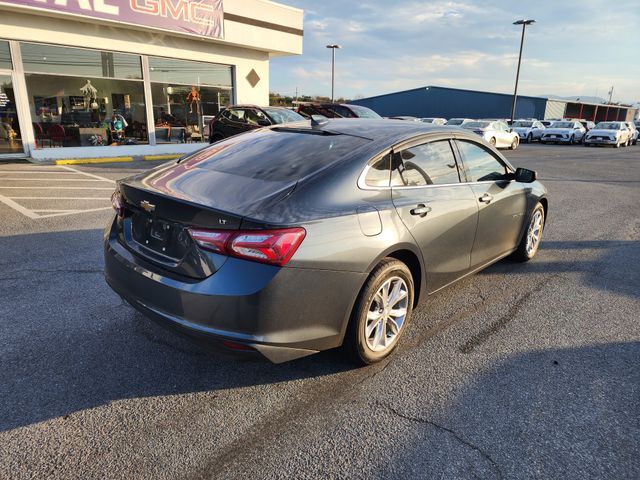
<point>524,175</point>
<point>263,122</point>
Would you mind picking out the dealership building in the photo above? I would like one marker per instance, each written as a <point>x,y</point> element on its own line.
<point>114,78</point>
<point>445,102</point>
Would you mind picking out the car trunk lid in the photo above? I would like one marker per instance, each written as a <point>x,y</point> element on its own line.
<point>160,206</point>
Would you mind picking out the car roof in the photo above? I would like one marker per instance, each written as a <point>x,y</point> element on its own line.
<point>381,131</point>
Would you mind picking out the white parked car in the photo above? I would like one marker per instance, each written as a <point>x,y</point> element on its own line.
<point>458,122</point>
<point>434,120</point>
<point>566,131</point>
<point>609,133</point>
<point>634,132</point>
<point>496,132</point>
<point>528,130</point>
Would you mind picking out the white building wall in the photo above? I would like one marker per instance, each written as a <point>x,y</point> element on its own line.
<point>255,30</point>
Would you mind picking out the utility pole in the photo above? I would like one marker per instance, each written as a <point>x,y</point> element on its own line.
<point>611,94</point>
<point>524,24</point>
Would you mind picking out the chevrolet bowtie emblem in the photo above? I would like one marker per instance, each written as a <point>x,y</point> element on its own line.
<point>146,206</point>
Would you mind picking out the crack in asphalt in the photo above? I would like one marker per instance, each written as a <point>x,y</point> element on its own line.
<point>503,321</point>
<point>451,432</point>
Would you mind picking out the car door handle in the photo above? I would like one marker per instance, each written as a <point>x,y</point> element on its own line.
<point>486,198</point>
<point>421,210</point>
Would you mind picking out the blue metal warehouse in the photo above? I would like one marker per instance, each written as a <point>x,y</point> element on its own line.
<point>445,102</point>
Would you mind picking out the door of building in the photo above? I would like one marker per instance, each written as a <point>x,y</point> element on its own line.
<point>11,144</point>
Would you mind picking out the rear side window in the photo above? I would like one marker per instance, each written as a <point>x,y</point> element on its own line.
<point>235,115</point>
<point>481,164</point>
<point>428,164</point>
<point>379,173</point>
<point>278,155</point>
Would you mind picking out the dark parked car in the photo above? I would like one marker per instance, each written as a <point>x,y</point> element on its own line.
<point>242,118</point>
<point>303,237</point>
<point>335,110</point>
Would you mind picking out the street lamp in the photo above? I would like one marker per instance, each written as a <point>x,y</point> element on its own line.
<point>333,68</point>
<point>524,24</point>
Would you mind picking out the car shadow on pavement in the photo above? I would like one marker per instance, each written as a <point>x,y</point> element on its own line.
<point>604,264</point>
<point>558,413</point>
<point>69,343</point>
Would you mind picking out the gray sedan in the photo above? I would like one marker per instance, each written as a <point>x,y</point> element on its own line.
<point>293,239</point>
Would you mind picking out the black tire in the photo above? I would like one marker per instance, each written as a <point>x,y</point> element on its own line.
<point>514,144</point>
<point>572,140</point>
<point>355,342</point>
<point>530,138</point>
<point>492,141</point>
<point>521,254</point>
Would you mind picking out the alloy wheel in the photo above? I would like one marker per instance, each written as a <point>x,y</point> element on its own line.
<point>534,233</point>
<point>386,314</point>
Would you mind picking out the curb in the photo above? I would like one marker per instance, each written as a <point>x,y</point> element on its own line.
<point>79,161</point>
<point>161,157</point>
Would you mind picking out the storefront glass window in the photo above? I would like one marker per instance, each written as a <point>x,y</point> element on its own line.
<point>77,104</point>
<point>76,61</point>
<point>5,55</point>
<point>10,138</point>
<point>186,95</point>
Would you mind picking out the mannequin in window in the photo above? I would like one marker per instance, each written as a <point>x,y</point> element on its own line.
<point>116,126</point>
<point>193,97</point>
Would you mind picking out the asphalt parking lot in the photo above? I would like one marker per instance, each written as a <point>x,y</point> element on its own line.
<point>521,371</point>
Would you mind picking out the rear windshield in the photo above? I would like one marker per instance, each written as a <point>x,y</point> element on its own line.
<point>364,112</point>
<point>283,115</point>
<point>278,155</point>
<point>522,124</point>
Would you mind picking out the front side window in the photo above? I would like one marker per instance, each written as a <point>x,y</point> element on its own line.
<point>481,164</point>
<point>428,164</point>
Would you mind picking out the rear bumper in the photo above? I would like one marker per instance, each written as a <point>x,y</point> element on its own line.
<point>283,313</point>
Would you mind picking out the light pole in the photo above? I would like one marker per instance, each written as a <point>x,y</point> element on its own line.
<point>333,68</point>
<point>524,24</point>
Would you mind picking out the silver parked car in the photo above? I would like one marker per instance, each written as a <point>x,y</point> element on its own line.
<point>434,120</point>
<point>496,132</point>
<point>528,130</point>
<point>609,133</point>
<point>302,237</point>
<point>458,122</point>
<point>634,132</point>
<point>564,131</point>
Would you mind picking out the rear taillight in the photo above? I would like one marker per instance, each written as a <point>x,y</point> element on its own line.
<point>117,202</point>
<point>275,247</point>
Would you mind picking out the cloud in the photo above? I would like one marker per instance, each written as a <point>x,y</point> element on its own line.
<point>466,43</point>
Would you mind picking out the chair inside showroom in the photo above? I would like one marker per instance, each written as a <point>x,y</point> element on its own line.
<point>41,137</point>
<point>56,135</point>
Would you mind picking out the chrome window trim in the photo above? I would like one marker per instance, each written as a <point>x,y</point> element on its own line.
<point>426,139</point>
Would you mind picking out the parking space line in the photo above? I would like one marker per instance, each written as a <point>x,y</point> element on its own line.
<point>88,174</point>
<point>48,179</point>
<point>58,188</point>
<point>70,212</point>
<point>16,206</point>
<point>62,175</point>
<point>59,198</point>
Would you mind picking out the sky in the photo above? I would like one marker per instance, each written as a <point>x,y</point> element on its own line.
<point>576,48</point>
